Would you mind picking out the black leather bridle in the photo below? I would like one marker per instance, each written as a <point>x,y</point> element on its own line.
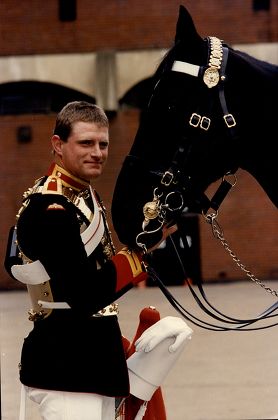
<point>174,182</point>
<point>218,70</point>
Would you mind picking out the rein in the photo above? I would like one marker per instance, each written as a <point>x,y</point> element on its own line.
<point>204,304</point>
<point>168,198</point>
<point>202,300</point>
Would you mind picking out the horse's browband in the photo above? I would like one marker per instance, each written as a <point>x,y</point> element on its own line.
<point>211,73</point>
<point>187,68</point>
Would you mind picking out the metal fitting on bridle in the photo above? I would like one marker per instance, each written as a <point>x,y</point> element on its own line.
<point>156,211</point>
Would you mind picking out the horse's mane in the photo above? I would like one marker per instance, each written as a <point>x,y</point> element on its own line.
<point>263,68</point>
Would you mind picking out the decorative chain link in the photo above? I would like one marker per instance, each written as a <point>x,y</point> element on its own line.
<point>218,233</point>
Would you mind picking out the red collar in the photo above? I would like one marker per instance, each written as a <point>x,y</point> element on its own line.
<point>68,180</point>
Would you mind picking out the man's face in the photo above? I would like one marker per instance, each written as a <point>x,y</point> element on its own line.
<point>86,150</point>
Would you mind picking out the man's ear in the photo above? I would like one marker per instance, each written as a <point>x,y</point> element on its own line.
<point>57,144</point>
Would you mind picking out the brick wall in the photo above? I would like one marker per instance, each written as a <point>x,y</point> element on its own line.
<point>28,28</point>
<point>20,165</point>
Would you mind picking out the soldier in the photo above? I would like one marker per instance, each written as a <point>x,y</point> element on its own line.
<point>72,362</point>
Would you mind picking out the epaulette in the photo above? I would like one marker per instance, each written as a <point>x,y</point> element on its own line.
<point>54,185</point>
<point>51,185</point>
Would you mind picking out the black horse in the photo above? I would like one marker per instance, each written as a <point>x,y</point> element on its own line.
<point>212,110</point>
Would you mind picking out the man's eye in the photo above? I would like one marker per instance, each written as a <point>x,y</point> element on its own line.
<point>103,145</point>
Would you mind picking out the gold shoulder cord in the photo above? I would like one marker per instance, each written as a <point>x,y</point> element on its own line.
<point>107,241</point>
<point>211,75</point>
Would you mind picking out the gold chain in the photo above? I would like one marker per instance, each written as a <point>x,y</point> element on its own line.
<point>218,233</point>
<point>211,75</point>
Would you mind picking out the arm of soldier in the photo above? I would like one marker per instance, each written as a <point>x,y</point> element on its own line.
<point>130,265</point>
<point>95,288</point>
<point>130,268</point>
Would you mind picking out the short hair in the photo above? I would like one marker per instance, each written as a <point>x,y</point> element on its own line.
<point>78,111</point>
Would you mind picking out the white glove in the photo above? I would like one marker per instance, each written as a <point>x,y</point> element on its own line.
<point>169,326</point>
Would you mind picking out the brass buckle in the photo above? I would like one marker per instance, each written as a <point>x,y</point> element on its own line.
<point>166,181</point>
<point>229,120</point>
<point>195,119</point>
<point>205,123</point>
<point>35,316</point>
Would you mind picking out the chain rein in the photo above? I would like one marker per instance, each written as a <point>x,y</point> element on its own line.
<point>218,234</point>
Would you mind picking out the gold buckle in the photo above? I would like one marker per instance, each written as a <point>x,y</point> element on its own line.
<point>35,316</point>
<point>229,120</point>
<point>112,309</point>
<point>166,181</point>
<point>195,119</point>
<point>205,123</point>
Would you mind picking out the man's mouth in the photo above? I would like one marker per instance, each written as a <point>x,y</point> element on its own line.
<point>93,163</point>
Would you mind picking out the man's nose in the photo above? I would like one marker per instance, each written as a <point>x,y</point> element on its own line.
<point>96,151</point>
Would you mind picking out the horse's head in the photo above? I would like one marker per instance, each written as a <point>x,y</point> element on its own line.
<point>209,113</point>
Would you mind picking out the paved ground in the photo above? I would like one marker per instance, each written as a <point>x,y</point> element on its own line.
<point>220,375</point>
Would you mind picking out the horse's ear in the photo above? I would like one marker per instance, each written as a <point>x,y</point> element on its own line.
<point>185,30</point>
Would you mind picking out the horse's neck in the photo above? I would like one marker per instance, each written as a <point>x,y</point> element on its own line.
<point>265,172</point>
<point>260,153</point>
<point>258,133</point>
